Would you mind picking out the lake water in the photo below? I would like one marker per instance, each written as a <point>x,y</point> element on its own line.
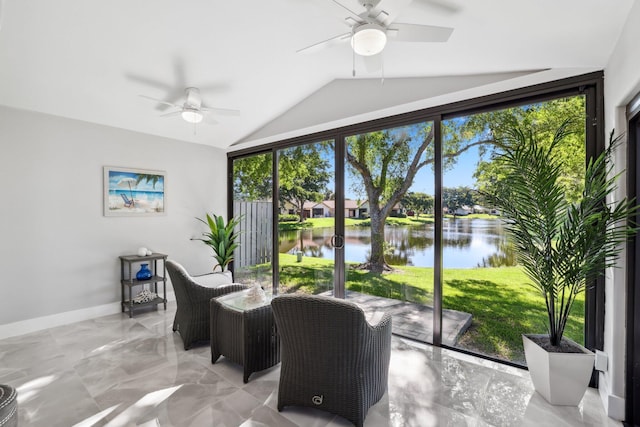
<point>468,243</point>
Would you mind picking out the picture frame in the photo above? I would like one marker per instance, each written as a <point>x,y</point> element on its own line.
<point>134,192</point>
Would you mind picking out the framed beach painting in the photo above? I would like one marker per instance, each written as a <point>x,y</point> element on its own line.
<point>134,192</point>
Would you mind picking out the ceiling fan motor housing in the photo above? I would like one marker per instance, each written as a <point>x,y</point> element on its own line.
<point>194,100</point>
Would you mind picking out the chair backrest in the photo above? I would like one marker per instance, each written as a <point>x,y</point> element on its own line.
<point>324,332</point>
<point>180,280</point>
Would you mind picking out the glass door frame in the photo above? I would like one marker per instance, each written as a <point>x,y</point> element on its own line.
<point>590,84</point>
<point>632,381</point>
<point>339,273</point>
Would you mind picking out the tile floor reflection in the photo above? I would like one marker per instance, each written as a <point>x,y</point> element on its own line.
<point>116,371</point>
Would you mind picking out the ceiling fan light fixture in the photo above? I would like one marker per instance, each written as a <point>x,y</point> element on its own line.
<point>368,39</point>
<point>192,115</point>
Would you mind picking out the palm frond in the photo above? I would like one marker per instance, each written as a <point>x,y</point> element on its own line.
<point>561,246</point>
<point>220,237</point>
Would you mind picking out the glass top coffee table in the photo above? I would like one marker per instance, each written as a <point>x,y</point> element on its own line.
<point>243,330</point>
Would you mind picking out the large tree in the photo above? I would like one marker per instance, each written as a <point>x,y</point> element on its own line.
<point>304,172</point>
<point>386,163</point>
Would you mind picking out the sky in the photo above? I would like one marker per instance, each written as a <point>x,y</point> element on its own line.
<point>117,176</point>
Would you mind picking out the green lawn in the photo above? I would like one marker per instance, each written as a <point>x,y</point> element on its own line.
<point>350,222</point>
<point>392,221</point>
<point>503,307</point>
<point>315,223</point>
<point>474,216</point>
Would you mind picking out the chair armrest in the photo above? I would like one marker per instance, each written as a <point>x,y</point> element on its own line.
<point>203,293</point>
<point>227,289</point>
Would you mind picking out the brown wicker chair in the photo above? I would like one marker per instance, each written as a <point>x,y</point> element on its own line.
<point>332,358</point>
<point>192,313</point>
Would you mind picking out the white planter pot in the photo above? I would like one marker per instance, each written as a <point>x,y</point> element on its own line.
<point>561,378</point>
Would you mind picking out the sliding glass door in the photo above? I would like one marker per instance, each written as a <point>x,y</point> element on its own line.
<point>389,224</point>
<point>395,214</point>
<point>307,218</point>
<point>253,205</point>
<point>482,281</point>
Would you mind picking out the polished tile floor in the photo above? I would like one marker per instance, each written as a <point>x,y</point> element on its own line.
<point>116,371</point>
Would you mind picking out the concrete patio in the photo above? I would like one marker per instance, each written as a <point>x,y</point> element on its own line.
<point>415,321</point>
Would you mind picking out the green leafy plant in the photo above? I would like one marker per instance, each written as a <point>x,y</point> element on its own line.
<point>221,238</point>
<point>561,246</point>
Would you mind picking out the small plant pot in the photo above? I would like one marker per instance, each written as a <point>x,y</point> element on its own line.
<point>561,378</point>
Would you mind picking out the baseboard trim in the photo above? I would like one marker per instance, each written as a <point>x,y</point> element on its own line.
<point>45,322</point>
<point>614,406</point>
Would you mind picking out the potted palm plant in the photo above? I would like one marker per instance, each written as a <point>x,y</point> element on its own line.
<point>221,238</point>
<point>562,248</point>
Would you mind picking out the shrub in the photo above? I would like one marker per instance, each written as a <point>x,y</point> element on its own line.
<point>288,218</point>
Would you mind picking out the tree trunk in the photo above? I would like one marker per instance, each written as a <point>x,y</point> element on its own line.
<point>301,211</point>
<point>377,263</point>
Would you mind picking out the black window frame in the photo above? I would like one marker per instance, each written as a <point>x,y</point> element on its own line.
<point>591,85</point>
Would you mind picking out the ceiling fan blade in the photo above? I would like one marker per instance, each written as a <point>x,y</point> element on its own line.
<point>442,5</point>
<point>221,111</point>
<point>171,114</point>
<point>1,4</point>
<point>159,101</point>
<point>209,120</point>
<point>373,63</point>
<point>325,43</point>
<point>353,14</point>
<point>418,33</point>
<point>147,81</point>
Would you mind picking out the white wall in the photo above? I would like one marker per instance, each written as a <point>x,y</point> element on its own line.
<point>622,81</point>
<point>58,253</point>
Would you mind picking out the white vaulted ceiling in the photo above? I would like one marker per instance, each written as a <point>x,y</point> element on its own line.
<point>90,60</point>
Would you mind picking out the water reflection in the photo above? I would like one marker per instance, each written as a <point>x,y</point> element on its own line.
<point>467,243</point>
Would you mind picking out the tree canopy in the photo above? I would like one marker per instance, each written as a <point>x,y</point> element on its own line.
<point>252,177</point>
<point>419,203</point>
<point>544,118</point>
<point>384,164</point>
<point>457,197</point>
<point>304,172</point>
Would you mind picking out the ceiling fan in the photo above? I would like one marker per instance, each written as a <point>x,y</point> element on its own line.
<point>373,27</point>
<point>192,111</point>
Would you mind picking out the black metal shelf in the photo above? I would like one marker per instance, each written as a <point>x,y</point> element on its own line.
<point>155,301</point>
<point>134,282</point>
<point>128,281</point>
